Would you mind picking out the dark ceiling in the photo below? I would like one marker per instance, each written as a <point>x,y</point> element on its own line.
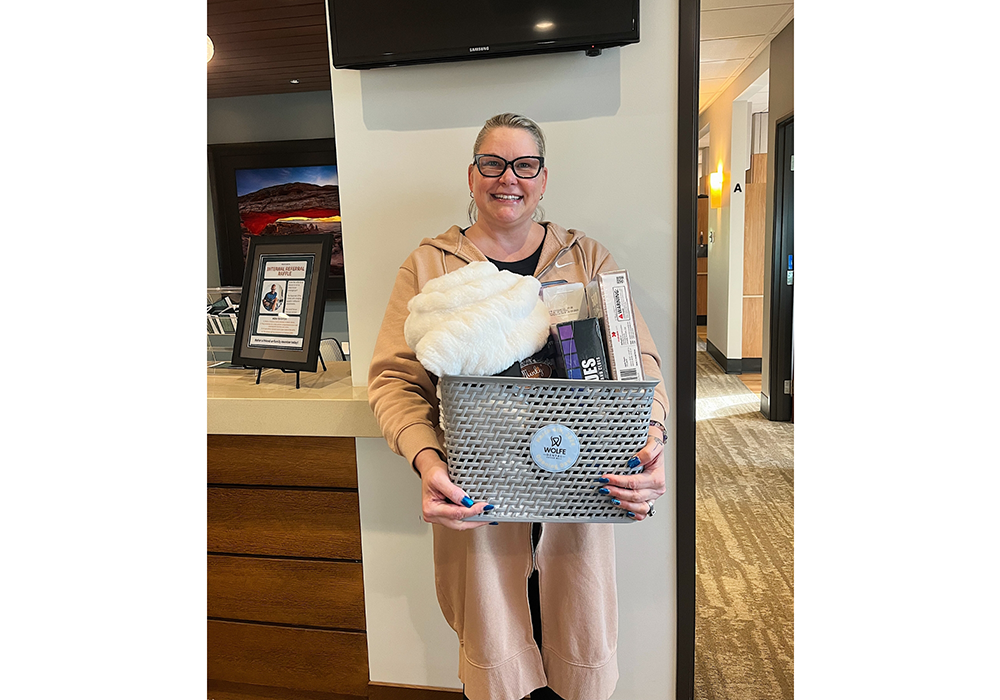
<point>261,45</point>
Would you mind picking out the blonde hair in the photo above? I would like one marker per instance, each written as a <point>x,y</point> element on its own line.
<point>510,121</point>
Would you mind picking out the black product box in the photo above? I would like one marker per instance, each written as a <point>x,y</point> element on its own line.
<point>580,349</point>
<point>540,365</point>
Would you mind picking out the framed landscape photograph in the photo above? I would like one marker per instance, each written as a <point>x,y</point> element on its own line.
<point>275,188</point>
<point>281,305</point>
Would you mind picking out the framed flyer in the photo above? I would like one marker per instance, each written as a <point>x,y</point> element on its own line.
<point>281,310</point>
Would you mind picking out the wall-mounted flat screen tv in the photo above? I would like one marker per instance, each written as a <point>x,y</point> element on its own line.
<point>376,33</point>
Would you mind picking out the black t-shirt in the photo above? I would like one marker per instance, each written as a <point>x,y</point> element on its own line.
<point>524,267</point>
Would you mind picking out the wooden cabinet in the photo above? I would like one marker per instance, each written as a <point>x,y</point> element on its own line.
<point>286,612</point>
<point>702,240</point>
<point>702,290</point>
<point>753,257</point>
<point>702,234</point>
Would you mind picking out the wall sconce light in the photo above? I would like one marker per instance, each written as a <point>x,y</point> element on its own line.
<point>715,188</point>
<point>211,48</point>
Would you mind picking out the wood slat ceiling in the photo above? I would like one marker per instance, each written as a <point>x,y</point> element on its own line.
<point>260,45</point>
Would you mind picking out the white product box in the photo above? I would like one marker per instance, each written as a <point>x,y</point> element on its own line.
<point>565,302</point>
<point>610,299</point>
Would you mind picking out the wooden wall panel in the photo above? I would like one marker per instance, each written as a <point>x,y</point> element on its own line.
<point>224,690</point>
<point>284,522</point>
<point>274,460</point>
<point>293,629</point>
<point>702,288</point>
<point>291,592</point>
<point>753,238</point>
<point>701,237</point>
<point>388,691</point>
<point>753,256</point>
<point>288,657</point>
<point>758,168</point>
<point>753,326</point>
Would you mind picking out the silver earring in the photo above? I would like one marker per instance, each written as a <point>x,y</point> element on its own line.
<point>470,195</point>
<point>541,198</point>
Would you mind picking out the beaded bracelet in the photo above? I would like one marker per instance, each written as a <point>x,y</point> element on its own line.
<point>661,426</point>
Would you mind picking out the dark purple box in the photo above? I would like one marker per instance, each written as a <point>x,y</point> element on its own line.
<point>580,349</point>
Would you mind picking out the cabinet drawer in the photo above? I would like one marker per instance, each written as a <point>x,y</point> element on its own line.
<point>287,657</point>
<point>288,591</point>
<point>284,522</point>
<point>278,460</point>
<point>701,295</point>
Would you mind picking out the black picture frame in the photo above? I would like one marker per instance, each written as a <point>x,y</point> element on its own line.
<point>224,160</point>
<point>260,349</point>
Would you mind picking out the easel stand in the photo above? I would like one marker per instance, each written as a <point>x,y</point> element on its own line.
<point>288,371</point>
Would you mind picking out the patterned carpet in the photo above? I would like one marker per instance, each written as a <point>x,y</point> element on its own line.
<point>744,622</point>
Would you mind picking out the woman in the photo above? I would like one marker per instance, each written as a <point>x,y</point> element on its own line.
<point>562,636</point>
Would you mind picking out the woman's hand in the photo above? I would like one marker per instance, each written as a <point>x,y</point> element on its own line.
<point>635,493</point>
<point>441,497</point>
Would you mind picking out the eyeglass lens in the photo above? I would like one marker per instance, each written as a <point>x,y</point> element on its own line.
<point>494,166</point>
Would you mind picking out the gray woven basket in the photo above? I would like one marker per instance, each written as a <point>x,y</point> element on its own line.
<point>490,422</point>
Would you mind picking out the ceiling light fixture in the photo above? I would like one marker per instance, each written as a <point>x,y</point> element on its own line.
<point>211,48</point>
<point>544,25</point>
<point>294,81</point>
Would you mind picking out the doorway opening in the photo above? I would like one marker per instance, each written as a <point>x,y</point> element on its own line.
<point>778,380</point>
<point>744,469</point>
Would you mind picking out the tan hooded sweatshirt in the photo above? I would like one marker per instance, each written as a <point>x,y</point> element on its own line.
<point>482,574</point>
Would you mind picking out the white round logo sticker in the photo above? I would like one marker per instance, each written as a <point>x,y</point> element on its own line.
<point>555,448</point>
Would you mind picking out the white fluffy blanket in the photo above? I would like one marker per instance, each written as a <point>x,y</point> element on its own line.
<point>476,320</point>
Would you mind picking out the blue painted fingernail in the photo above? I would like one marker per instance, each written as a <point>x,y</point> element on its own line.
<point>631,514</point>
<point>494,523</point>
<point>634,462</point>
<point>488,508</point>
<point>604,491</point>
<point>603,480</point>
<point>468,502</point>
<point>616,501</point>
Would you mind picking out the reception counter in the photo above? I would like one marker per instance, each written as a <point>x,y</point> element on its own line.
<point>286,599</point>
<point>325,404</point>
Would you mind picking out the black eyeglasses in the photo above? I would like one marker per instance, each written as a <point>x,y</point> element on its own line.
<point>525,167</point>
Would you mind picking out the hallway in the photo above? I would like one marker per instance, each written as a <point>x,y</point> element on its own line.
<point>744,580</point>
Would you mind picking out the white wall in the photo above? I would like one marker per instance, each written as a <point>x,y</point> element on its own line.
<point>739,162</point>
<point>725,252</point>
<point>404,139</point>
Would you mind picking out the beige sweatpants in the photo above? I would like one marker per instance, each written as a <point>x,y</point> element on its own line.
<point>482,587</point>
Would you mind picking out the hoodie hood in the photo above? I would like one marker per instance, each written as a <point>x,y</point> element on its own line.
<point>556,244</point>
